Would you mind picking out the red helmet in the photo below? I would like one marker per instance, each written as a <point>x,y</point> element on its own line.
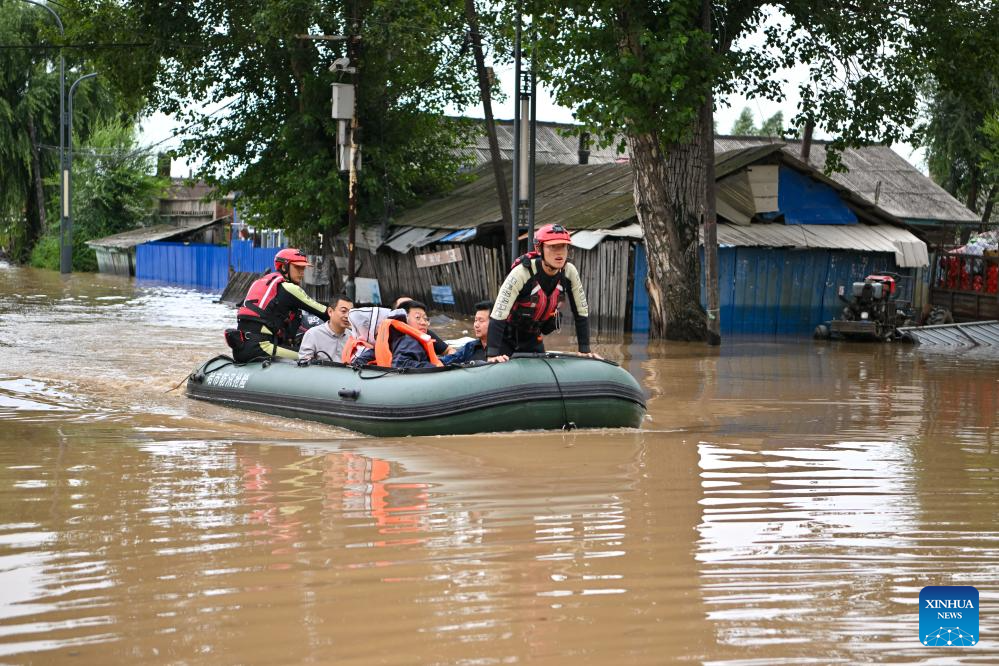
<point>290,256</point>
<point>551,233</point>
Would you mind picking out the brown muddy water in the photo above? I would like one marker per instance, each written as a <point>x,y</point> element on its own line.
<point>783,504</point>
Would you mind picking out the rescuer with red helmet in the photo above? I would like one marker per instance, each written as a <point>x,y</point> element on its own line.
<point>526,308</point>
<point>272,311</point>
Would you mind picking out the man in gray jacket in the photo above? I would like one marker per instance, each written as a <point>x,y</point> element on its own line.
<point>326,341</point>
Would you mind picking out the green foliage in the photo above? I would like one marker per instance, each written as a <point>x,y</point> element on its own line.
<point>990,156</point>
<point>772,126</point>
<point>745,124</point>
<point>962,94</point>
<point>113,191</point>
<point>646,65</point>
<point>29,98</point>
<point>628,66</point>
<point>45,254</point>
<point>113,186</point>
<point>275,141</point>
<point>27,89</point>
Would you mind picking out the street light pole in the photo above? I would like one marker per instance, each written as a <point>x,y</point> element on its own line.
<point>66,250</point>
<point>517,158</point>
<point>65,237</point>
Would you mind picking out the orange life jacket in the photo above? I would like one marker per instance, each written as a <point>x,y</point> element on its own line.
<point>353,347</point>
<point>383,352</point>
<point>260,302</point>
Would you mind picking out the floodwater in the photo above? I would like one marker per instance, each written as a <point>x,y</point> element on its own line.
<point>784,503</point>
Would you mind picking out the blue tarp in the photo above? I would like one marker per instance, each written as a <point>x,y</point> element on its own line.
<point>459,236</point>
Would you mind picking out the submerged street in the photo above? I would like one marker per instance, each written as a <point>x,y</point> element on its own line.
<point>784,502</point>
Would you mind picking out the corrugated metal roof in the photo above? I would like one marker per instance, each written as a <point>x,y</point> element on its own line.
<point>907,248</point>
<point>557,143</point>
<point>961,336</point>
<point>589,239</point>
<point>578,196</point>
<point>157,232</point>
<point>406,238</point>
<point>876,174</point>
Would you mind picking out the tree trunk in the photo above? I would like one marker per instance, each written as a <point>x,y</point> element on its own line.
<point>707,116</point>
<point>990,202</point>
<point>487,107</point>
<point>972,199</point>
<point>36,226</point>
<point>669,191</point>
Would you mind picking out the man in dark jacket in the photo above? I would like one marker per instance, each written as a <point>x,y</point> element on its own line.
<point>476,349</point>
<point>407,351</point>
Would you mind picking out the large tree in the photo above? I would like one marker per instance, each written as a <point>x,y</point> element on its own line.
<point>644,69</point>
<point>962,93</point>
<point>29,122</point>
<point>29,117</point>
<point>274,139</point>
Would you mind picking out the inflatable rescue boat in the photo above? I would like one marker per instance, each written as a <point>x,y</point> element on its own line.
<point>528,392</point>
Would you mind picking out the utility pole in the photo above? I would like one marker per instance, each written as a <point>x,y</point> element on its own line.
<point>532,140</point>
<point>487,107</point>
<point>522,145</point>
<point>515,206</point>
<point>353,52</point>
<point>344,111</point>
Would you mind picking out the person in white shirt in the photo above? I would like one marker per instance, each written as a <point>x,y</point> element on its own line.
<point>326,341</point>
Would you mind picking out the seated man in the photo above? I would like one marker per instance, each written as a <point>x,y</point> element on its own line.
<point>440,346</point>
<point>402,340</point>
<point>476,349</point>
<point>327,341</point>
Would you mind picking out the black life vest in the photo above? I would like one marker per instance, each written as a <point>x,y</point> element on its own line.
<point>538,306</point>
<point>263,306</point>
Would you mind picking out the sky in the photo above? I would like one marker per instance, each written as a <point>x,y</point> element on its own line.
<point>159,127</point>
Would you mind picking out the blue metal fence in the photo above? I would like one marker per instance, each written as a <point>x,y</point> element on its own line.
<point>198,265</point>
<point>766,291</point>
<point>248,259</point>
<point>187,265</point>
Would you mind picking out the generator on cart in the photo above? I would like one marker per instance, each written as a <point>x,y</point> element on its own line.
<point>871,312</point>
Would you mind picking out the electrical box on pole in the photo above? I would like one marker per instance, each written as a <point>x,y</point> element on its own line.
<point>343,101</point>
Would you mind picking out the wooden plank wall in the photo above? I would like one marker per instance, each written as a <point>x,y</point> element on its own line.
<point>235,291</point>
<point>475,278</point>
<point>605,276</point>
<point>604,271</point>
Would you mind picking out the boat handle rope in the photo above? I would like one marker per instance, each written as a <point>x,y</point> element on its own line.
<point>566,423</point>
<point>383,371</point>
<point>200,377</point>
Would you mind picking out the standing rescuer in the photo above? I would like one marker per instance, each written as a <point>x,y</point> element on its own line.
<point>526,307</point>
<point>272,309</point>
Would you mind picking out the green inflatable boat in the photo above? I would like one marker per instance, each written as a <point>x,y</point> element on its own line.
<point>529,392</point>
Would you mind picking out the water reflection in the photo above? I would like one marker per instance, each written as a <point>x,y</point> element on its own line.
<point>784,503</point>
<point>828,507</point>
